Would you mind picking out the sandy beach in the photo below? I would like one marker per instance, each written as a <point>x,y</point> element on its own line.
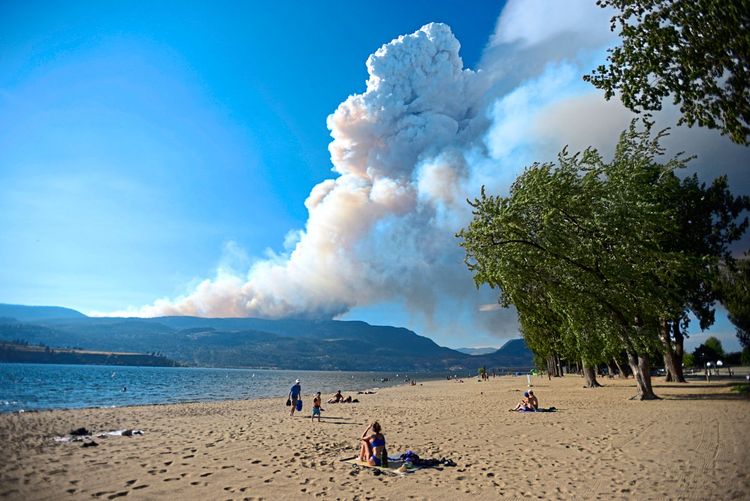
<point>692,444</point>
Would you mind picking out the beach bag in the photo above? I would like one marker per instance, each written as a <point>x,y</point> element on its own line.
<point>299,405</point>
<point>288,402</point>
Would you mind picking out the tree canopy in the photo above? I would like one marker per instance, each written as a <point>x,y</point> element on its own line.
<point>697,51</point>
<point>593,254</point>
<point>734,294</point>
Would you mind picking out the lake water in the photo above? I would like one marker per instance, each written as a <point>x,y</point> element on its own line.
<point>46,386</point>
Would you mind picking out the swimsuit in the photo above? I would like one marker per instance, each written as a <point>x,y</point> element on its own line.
<point>316,411</point>
<point>376,442</point>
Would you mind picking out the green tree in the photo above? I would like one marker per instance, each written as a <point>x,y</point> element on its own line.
<point>689,360</point>
<point>697,51</point>
<point>714,345</point>
<point>734,294</point>
<point>710,351</point>
<point>709,220</point>
<point>586,239</point>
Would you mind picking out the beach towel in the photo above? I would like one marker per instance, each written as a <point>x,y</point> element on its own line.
<point>400,463</point>
<point>395,465</point>
<point>541,409</point>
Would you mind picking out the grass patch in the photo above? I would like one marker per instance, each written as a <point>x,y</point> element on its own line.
<point>742,388</point>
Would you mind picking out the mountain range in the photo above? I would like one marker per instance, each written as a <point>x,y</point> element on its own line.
<point>251,342</point>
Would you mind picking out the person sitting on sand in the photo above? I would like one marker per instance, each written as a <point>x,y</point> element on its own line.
<point>338,397</point>
<point>372,447</point>
<point>525,404</point>
<point>533,401</point>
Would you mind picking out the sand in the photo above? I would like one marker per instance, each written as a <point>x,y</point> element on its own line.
<point>692,444</point>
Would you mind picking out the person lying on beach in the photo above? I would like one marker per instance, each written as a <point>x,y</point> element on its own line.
<point>338,397</point>
<point>372,447</point>
<point>525,404</point>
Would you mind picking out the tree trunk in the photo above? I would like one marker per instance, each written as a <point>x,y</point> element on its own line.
<point>610,370</point>
<point>590,374</point>
<point>639,365</point>
<point>622,373</point>
<point>553,366</point>
<point>679,350</point>
<point>669,359</point>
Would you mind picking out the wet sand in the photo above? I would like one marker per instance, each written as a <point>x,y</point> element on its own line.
<point>693,444</point>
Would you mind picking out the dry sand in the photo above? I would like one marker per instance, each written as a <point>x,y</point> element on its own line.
<point>692,444</point>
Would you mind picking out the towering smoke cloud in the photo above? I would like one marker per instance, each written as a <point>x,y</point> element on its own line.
<point>381,229</point>
<point>423,137</point>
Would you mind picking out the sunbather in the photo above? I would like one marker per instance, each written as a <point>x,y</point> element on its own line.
<point>533,401</point>
<point>372,447</point>
<point>525,404</point>
<point>338,397</point>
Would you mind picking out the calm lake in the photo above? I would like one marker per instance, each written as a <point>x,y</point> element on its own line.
<point>45,386</point>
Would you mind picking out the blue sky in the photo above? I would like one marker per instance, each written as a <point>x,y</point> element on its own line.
<point>152,151</point>
<point>139,139</point>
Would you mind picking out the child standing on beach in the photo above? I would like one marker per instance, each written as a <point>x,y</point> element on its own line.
<point>316,408</point>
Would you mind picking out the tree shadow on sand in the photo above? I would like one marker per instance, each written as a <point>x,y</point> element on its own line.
<point>706,396</point>
<point>688,385</point>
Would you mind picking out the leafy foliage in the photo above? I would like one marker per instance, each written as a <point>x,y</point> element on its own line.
<point>593,254</point>
<point>710,351</point>
<point>697,51</point>
<point>734,287</point>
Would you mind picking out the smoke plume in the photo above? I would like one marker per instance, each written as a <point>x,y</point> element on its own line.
<point>426,135</point>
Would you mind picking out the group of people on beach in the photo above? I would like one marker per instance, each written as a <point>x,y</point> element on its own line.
<point>295,397</point>
<point>372,442</point>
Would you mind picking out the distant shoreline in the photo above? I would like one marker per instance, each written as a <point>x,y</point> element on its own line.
<point>25,353</point>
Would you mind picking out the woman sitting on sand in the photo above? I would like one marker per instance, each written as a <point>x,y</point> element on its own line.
<point>372,447</point>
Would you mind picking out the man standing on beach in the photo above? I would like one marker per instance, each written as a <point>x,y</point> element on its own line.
<point>294,394</point>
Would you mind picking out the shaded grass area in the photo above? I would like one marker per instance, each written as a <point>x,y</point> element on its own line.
<point>742,389</point>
